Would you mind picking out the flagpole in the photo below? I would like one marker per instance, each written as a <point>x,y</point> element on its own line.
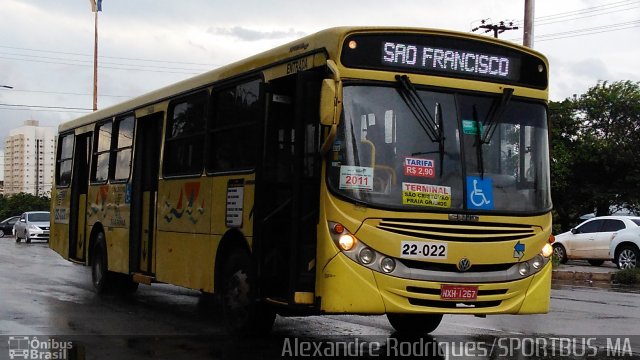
<point>95,64</point>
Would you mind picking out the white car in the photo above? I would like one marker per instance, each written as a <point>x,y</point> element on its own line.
<point>32,225</point>
<point>625,248</point>
<point>591,239</point>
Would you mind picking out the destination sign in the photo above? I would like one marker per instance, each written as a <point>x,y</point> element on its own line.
<point>448,60</point>
<point>444,55</point>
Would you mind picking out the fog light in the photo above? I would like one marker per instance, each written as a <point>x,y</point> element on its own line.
<point>388,265</point>
<point>367,256</point>
<point>523,268</point>
<point>537,262</point>
<point>547,250</point>
<point>347,242</point>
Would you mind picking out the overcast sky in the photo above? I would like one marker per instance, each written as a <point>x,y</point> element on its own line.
<point>46,47</point>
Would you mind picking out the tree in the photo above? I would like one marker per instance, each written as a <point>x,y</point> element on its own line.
<point>18,203</point>
<point>594,141</point>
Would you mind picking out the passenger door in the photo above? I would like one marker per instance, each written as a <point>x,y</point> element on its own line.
<point>287,189</point>
<point>144,192</point>
<point>600,248</point>
<point>78,204</point>
<point>581,244</point>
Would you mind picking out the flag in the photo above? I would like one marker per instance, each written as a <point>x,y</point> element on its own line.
<point>96,6</point>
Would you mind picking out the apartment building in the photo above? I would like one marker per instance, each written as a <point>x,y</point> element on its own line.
<point>29,159</point>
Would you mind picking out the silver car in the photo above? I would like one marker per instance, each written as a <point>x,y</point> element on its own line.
<point>32,225</point>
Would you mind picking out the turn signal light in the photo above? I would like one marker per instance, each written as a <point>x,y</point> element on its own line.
<point>547,250</point>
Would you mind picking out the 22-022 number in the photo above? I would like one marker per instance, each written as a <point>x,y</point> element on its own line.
<point>423,250</point>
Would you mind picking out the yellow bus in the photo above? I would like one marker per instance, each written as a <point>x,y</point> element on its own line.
<point>358,170</point>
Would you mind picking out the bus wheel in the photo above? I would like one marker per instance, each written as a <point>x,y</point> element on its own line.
<point>414,324</point>
<point>101,277</point>
<point>240,310</point>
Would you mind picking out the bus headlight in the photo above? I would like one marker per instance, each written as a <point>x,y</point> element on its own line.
<point>367,256</point>
<point>523,268</point>
<point>347,242</point>
<point>547,250</point>
<point>387,265</point>
<point>537,262</point>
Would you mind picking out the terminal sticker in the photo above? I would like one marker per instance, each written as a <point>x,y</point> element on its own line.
<point>419,167</point>
<point>426,195</point>
<point>356,177</point>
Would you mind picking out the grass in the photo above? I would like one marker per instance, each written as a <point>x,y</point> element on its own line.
<point>627,276</point>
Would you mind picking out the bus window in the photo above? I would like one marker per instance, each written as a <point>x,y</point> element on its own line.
<point>184,144</point>
<point>65,160</point>
<point>234,133</point>
<point>124,138</point>
<point>100,168</point>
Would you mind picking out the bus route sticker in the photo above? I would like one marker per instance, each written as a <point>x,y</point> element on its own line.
<point>235,202</point>
<point>356,177</point>
<point>426,195</point>
<point>419,167</point>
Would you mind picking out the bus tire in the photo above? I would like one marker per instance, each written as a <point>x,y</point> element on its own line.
<point>241,313</point>
<point>412,324</point>
<point>101,277</point>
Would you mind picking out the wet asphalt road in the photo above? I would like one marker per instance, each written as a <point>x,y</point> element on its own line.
<point>46,298</point>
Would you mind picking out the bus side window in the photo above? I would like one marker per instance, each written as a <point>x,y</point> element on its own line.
<point>233,129</point>
<point>65,160</point>
<point>102,153</point>
<point>184,142</point>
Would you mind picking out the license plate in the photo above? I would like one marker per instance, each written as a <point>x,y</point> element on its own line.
<point>423,250</point>
<point>458,292</point>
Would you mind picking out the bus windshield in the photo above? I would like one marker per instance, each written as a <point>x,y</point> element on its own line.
<point>448,153</point>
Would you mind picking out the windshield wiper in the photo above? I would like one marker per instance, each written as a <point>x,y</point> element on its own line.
<point>489,125</point>
<point>410,96</point>
<point>494,114</point>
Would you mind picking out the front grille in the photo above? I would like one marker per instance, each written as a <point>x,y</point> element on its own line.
<point>432,266</point>
<point>464,231</point>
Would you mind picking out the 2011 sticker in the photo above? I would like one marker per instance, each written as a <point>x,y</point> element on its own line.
<point>356,177</point>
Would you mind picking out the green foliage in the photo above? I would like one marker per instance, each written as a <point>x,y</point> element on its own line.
<point>17,204</point>
<point>627,276</point>
<point>594,142</point>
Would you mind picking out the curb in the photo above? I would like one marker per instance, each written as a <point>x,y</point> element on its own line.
<point>581,276</point>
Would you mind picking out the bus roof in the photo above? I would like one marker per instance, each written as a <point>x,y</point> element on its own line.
<point>328,40</point>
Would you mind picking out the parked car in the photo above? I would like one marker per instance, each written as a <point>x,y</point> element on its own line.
<point>6,225</point>
<point>33,225</point>
<point>625,248</point>
<point>591,239</point>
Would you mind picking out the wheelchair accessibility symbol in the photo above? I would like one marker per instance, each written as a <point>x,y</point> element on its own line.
<point>479,193</point>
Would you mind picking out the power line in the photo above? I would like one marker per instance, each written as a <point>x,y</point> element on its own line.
<point>111,57</point>
<point>69,93</point>
<point>587,10</point>
<point>45,107</point>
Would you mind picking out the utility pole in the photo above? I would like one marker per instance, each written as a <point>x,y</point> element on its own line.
<point>496,28</point>
<point>529,9</point>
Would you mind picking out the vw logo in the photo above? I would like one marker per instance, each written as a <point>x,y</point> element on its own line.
<point>464,264</point>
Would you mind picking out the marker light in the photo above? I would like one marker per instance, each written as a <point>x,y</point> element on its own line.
<point>552,239</point>
<point>547,250</point>
<point>353,44</point>
<point>347,242</point>
<point>338,228</point>
<point>367,256</point>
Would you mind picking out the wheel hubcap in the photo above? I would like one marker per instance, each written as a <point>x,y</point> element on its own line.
<point>627,259</point>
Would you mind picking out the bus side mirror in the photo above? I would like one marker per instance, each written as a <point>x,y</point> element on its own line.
<point>328,102</point>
